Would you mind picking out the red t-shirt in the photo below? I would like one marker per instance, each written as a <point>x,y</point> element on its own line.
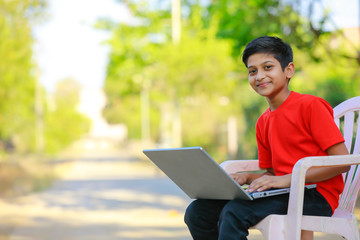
<point>302,126</point>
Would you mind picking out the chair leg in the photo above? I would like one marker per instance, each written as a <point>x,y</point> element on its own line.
<point>272,227</point>
<point>353,233</point>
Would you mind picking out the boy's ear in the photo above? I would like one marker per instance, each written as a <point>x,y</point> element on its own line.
<point>290,70</point>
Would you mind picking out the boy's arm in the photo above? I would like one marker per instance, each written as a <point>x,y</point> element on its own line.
<point>323,173</point>
<point>268,180</point>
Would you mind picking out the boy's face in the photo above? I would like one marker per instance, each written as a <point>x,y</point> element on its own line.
<point>266,76</point>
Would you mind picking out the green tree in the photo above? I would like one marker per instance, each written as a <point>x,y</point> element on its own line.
<point>198,75</point>
<point>63,122</point>
<point>243,21</point>
<point>333,76</point>
<point>197,72</point>
<point>199,69</point>
<point>17,81</point>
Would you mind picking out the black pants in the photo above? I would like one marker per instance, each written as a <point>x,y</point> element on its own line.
<point>227,220</point>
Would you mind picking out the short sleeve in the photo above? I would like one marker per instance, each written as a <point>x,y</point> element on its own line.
<point>322,125</point>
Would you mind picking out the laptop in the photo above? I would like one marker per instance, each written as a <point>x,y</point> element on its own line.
<point>200,176</point>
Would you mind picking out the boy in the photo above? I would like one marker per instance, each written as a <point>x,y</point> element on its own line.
<point>294,126</point>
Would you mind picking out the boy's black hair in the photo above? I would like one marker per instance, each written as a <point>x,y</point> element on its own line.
<point>269,45</point>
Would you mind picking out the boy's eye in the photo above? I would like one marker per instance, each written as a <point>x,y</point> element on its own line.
<point>267,67</point>
<point>252,72</point>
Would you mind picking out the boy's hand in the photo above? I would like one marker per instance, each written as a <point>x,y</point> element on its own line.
<point>266,181</point>
<point>241,178</point>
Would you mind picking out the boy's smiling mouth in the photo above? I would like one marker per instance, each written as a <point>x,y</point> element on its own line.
<point>264,84</point>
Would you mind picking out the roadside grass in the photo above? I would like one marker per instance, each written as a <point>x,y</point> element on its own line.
<point>21,175</point>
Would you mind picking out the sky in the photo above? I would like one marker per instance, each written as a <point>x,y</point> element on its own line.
<point>67,45</point>
<point>344,13</point>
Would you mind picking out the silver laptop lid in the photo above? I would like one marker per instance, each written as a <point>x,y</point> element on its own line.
<point>196,173</point>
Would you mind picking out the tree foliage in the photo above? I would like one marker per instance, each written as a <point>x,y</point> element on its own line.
<point>20,93</point>
<point>17,81</point>
<point>63,122</point>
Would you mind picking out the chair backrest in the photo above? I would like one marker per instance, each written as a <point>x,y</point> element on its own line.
<point>346,117</point>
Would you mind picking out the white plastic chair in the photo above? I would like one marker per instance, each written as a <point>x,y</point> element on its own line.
<point>343,222</point>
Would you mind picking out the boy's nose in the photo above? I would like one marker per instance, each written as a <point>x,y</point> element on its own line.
<point>260,75</point>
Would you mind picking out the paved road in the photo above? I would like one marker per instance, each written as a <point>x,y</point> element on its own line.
<point>100,198</point>
<point>107,198</point>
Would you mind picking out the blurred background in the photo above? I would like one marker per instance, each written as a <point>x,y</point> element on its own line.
<point>159,73</point>
<point>86,76</point>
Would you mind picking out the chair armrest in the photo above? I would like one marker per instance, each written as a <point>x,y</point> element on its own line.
<point>233,166</point>
<point>296,198</point>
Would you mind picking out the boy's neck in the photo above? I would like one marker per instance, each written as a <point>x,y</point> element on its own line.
<point>276,101</point>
